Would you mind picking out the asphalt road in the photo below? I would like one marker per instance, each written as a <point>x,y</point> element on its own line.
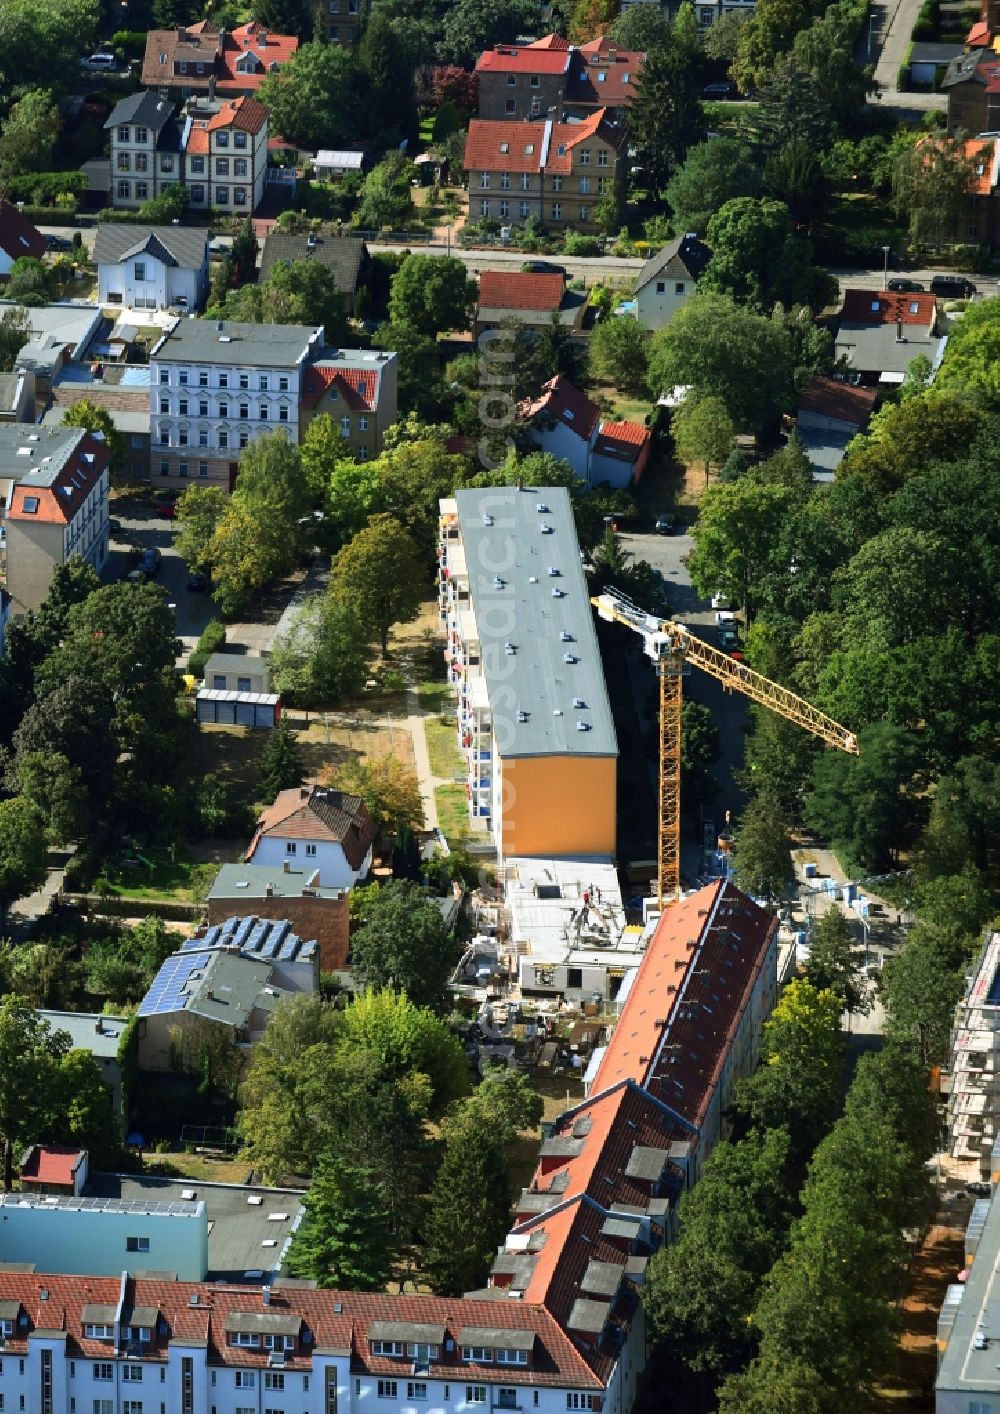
<point>668,553</point>
<point>141,526</point>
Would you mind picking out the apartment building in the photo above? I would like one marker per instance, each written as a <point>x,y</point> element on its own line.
<point>968,1376</point>
<point>358,388</point>
<point>202,59</point>
<point>972,1083</point>
<point>146,149</point>
<point>338,20</point>
<point>215,386</point>
<point>554,171</point>
<point>525,81</point>
<point>534,723</point>
<point>218,151</point>
<point>560,1326</point>
<point>54,485</point>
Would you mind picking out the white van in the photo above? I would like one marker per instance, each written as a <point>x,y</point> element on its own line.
<point>99,61</point>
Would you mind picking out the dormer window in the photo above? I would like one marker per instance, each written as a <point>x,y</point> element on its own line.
<point>418,1350</point>
<point>505,147</point>
<point>477,1354</point>
<point>511,1357</point>
<point>248,1338</point>
<point>98,1331</point>
<point>395,1349</point>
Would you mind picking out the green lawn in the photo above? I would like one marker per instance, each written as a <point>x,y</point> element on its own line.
<point>426,129</point>
<point>442,748</point>
<point>435,696</point>
<point>160,874</point>
<point>452,810</point>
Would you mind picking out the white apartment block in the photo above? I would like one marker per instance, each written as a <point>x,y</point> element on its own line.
<point>225,156</point>
<point>215,386</point>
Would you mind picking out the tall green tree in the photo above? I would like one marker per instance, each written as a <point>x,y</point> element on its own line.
<point>15,331</point>
<point>470,26</point>
<point>762,850</point>
<point>792,102</point>
<point>703,431</point>
<point>345,1238</point>
<point>403,944</point>
<point>796,1084</point>
<point>666,116</point>
<point>431,294</point>
<point>758,259</point>
<point>766,39</point>
<point>311,99</point>
<point>835,961</point>
<point>28,134</point>
<point>23,852</point>
<point>386,80</point>
<point>713,173</point>
<point>738,540</point>
<point>30,1053</point>
<point>931,185</point>
<point>280,762</point>
<point>865,804</point>
<point>701,1290</point>
<point>617,352</point>
<point>380,573</point>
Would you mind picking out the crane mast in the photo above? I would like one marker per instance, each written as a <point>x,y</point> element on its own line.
<point>671,646</point>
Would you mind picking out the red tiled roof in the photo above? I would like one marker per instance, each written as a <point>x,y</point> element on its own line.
<point>830,398</point>
<point>338,1321</point>
<point>51,1163</point>
<point>559,399</point>
<point>59,500</point>
<point>523,59</point>
<point>358,387</point>
<point>984,152</point>
<point>252,38</point>
<point>319,813</point>
<point>623,439</point>
<point>979,35</point>
<point>18,237</point>
<point>500,289</point>
<point>244,113</point>
<point>604,74</point>
<point>886,307</point>
<point>549,41</point>
<point>485,144</point>
<point>708,948</point>
<point>566,136</point>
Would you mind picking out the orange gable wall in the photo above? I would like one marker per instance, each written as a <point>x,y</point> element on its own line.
<point>559,805</point>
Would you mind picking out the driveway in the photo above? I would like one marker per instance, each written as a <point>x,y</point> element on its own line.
<point>667,553</point>
<point>141,526</point>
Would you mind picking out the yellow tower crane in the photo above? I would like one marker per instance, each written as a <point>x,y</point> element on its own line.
<point>671,646</point>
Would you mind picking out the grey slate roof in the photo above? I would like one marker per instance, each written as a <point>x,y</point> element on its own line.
<point>531,609</point>
<point>251,881</point>
<point>183,246</point>
<point>934,53</point>
<point>58,444</point>
<point>264,345</point>
<point>145,108</point>
<point>682,258</point>
<point>343,255</point>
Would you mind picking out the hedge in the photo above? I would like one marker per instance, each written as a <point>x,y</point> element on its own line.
<point>44,188</point>
<point>212,640</point>
<point>111,906</point>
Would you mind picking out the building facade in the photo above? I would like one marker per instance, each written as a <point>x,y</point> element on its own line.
<point>358,388</point>
<point>202,59</point>
<point>668,280</point>
<point>146,152</point>
<point>531,81</point>
<point>553,171</point>
<point>216,386</point>
<point>56,482</point>
<point>151,267</point>
<point>534,723</point>
<point>291,892</point>
<point>339,21</point>
<point>327,830</point>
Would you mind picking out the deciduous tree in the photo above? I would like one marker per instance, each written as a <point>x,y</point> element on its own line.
<point>379,572</point>
<point>835,961</point>
<point>666,116</point>
<point>94,419</point>
<point>403,944</point>
<point>23,853</point>
<point>617,351</point>
<point>311,99</point>
<point>758,259</point>
<point>703,431</point>
<point>431,294</point>
<point>30,1052</point>
<point>713,173</point>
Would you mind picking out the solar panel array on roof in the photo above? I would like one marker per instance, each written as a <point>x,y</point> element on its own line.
<point>255,937</point>
<point>169,985</point>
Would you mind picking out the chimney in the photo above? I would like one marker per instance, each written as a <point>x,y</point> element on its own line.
<point>265,1292</point>
<point>269,891</point>
<point>899,331</point>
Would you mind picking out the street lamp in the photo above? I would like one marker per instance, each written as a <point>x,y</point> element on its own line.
<point>885,266</point>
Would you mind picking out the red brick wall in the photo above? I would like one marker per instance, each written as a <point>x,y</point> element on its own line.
<point>325,919</point>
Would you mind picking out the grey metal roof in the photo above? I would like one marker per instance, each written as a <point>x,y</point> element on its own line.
<point>142,1316</point>
<point>41,451</point>
<point>251,881</point>
<point>146,108</point>
<point>263,345</point>
<point>875,348</point>
<point>184,246</point>
<point>94,1315</point>
<point>588,1316</point>
<point>646,1163</point>
<point>494,1336</point>
<point>341,254</point>
<point>528,590</point>
<point>127,420</point>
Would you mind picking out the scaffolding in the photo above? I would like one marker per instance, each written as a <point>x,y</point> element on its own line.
<point>974,1098</point>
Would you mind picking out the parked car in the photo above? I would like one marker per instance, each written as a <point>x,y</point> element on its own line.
<point>718,90</point>
<point>665,524</point>
<point>58,243</point>
<point>901,286</point>
<point>149,562</point>
<point>197,582</point>
<point>166,508</point>
<point>728,638</point>
<point>542,267</point>
<point>102,62</point>
<point>953,287</point>
<point>978,1190</point>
